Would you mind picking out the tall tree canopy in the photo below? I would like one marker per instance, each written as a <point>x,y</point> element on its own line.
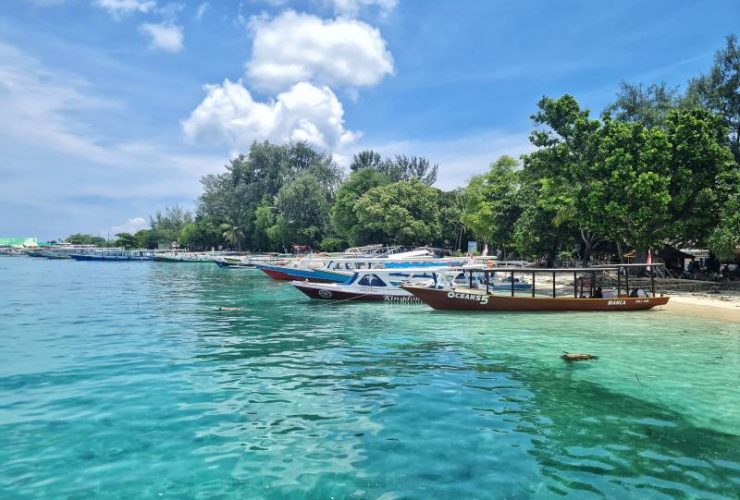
<point>271,177</point>
<point>404,212</point>
<point>492,203</point>
<point>719,90</point>
<point>646,105</point>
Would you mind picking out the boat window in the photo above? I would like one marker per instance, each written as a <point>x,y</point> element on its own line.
<point>371,280</point>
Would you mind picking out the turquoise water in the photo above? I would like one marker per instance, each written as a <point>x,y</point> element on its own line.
<point>123,380</point>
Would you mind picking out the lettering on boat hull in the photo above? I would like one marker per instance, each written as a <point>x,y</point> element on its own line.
<point>481,299</point>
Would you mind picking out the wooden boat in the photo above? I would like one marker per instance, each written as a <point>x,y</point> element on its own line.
<point>470,299</point>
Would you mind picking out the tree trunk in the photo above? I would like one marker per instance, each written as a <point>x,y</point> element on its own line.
<point>587,247</point>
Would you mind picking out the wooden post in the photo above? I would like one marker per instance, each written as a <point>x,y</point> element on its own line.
<point>553,284</point>
<point>652,278</point>
<point>575,285</point>
<point>533,276</point>
<point>591,285</point>
<point>619,282</point>
<point>627,281</point>
<point>470,279</point>
<point>512,283</point>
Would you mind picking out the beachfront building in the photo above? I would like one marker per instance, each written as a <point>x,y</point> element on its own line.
<point>19,242</point>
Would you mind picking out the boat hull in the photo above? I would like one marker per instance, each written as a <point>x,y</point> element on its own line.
<point>282,273</point>
<point>101,258</point>
<point>462,301</point>
<point>332,292</point>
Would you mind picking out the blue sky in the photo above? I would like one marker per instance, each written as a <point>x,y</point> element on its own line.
<point>112,109</point>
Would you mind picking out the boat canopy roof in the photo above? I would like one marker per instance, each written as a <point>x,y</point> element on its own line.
<point>610,267</point>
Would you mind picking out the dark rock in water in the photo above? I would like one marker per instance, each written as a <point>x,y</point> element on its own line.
<point>576,356</point>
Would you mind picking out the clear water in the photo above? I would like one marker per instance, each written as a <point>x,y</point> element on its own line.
<point>123,380</point>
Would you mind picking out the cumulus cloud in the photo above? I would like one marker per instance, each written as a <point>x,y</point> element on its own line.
<point>165,36</point>
<point>295,47</point>
<point>351,8</point>
<point>305,112</point>
<point>130,226</point>
<point>119,7</point>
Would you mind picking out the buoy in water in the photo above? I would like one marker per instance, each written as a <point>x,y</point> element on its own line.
<point>577,356</point>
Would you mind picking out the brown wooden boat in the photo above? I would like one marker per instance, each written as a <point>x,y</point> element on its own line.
<point>471,299</point>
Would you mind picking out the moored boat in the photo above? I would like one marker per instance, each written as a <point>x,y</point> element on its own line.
<point>593,299</point>
<point>115,255</point>
<point>372,285</point>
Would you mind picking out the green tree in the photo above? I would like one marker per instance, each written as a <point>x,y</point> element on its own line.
<point>646,105</point>
<point>85,239</point>
<point>233,235</point>
<point>201,234</point>
<point>563,166</point>
<point>126,240</point>
<point>702,173</point>
<point>254,179</point>
<point>146,238</point>
<point>166,226</point>
<point>343,214</point>
<point>367,159</point>
<point>719,90</point>
<point>405,212</point>
<point>493,203</point>
<point>724,240</point>
<point>303,211</point>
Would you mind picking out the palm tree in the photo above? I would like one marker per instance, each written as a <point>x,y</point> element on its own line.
<point>232,234</point>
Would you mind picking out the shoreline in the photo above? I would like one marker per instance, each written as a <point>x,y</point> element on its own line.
<point>724,307</point>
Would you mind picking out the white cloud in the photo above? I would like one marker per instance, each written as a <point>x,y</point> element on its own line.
<point>164,36</point>
<point>295,47</point>
<point>120,7</point>
<point>202,8</point>
<point>130,226</point>
<point>351,8</point>
<point>305,112</point>
<point>60,174</point>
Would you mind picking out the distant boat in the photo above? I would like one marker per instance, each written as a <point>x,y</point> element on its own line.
<point>115,256</point>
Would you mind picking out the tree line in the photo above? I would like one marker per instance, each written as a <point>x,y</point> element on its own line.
<point>656,167</point>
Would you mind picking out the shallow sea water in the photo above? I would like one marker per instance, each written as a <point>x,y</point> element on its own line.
<point>123,380</point>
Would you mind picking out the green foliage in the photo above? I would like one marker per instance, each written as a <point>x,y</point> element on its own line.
<point>400,168</point>
<point>303,212</point>
<point>85,239</point>
<point>343,214</point>
<point>146,238</point>
<point>202,234</point>
<point>253,182</point>
<point>333,244</point>
<point>492,203</point>
<point>649,106</point>
<point>724,239</point>
<point>232,234</point>
<point>719,91</point>
<point>126,240</point>
<point>404,212</point>
<point>166,227</point>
